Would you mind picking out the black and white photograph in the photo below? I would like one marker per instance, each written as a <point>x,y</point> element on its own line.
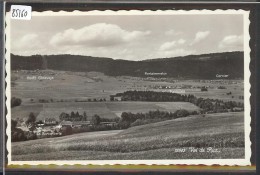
<point>129,87</point>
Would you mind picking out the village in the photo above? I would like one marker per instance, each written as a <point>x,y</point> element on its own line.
<point>50,127</point>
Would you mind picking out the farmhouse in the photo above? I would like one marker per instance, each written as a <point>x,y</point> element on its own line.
<point>50,121</point>
<point>65,123</point>
<point>116,97</point>
<point>119,98</point>
<point>80,123</point>
<point>237,109</point>
<point>74,124</point>
<point>108,123</point>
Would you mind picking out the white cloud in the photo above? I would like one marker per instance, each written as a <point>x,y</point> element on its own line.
<point>171,45</point>
<point>172,33</point>
<point>97,35</point>
<point>29,44</point>
<point>232,42</point>
<point>200,36</point>
<point>27,41</point>
<point>181,41</point>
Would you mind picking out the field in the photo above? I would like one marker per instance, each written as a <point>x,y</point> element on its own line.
<point>66,88</point>
<point>70,91</point>
<point>71,86</point>
<point>103,109</point>
<point>223,132</point>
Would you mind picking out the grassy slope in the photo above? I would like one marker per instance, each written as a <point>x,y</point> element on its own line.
<point>104,109</point>
<point>153,141</point>
<point>76,85</point>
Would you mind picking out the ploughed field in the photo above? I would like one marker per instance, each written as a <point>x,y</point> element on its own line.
<point>223,132</point>
<point>103,109</point>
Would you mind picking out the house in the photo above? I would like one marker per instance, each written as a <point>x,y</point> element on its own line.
<point>74,124</point>
<point>108,123</point>
<point>49,121</point>
<point>65,123</point>
<point>118,98</point>
<point>237,109</point>
<point>115,97</point>
<point>79,124</point>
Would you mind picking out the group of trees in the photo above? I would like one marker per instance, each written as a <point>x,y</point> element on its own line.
<point>73,116</point>
<point>130,119</point>
<point>15,102</point>
<point>207,105</point>
<point>18,134</point>
<point>92,100</point>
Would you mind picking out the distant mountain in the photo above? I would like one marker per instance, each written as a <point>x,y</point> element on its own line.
<point>204,66</point>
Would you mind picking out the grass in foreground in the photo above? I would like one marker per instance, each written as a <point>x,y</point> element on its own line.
<point>152,141</point>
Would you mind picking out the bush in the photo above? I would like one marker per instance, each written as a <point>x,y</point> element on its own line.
<point>17,135</point>
<point>137,122</point>
<point>15,102</point>
<point>124,124</point>
<point>30,136</point>
<point>182,113</point>
<point>204,89</point>
<point>66,130</point>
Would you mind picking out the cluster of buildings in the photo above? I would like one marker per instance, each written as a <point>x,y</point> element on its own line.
<point>50,126</point>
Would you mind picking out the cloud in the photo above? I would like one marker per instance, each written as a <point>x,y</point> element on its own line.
<point>172,33</point>
<point>200,36</point>
<point>97,35</point>
<point>231,42</point>
<point>28,41</point>
<point>171,45</point>
<point>29,44</point>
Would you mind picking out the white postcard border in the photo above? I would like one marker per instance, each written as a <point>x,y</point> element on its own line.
<point>247,118</point>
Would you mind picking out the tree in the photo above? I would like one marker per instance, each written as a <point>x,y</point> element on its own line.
<point>62,116</point>
<point>30,122</point>
<point>95,120</point>
<point>204,89</point>
<point>15,102</point>
<point>66,130</point>
<point>182,113</point>
<point>13,124</point>
<point>72,114</point>
<point>85,117</point>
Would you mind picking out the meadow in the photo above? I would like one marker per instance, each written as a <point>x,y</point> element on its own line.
<point>103,109</point>
<point>223,132</point>
<point>71,86</point>
<point>67,88</point>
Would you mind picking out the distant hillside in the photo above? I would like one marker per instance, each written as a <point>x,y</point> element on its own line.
<point>204,66</point>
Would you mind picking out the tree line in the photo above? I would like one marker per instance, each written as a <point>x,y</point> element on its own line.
<point>75,116</point>
<point>129,119</point>
<point>206,104</point>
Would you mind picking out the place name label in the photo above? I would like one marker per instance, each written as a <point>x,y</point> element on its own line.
<point>155,73</point>
<point>221,76</point>
<point>39,78</point>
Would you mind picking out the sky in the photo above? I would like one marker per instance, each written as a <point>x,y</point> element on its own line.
<point>128,37</point>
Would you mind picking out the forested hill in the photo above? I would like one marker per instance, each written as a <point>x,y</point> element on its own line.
<point>204,66</point>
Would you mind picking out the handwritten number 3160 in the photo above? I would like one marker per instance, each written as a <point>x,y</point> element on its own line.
<point>19,13</point>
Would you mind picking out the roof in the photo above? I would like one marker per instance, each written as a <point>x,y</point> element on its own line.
<point>74,122</point>
<point>81,122</point>
<point>66,123</point>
